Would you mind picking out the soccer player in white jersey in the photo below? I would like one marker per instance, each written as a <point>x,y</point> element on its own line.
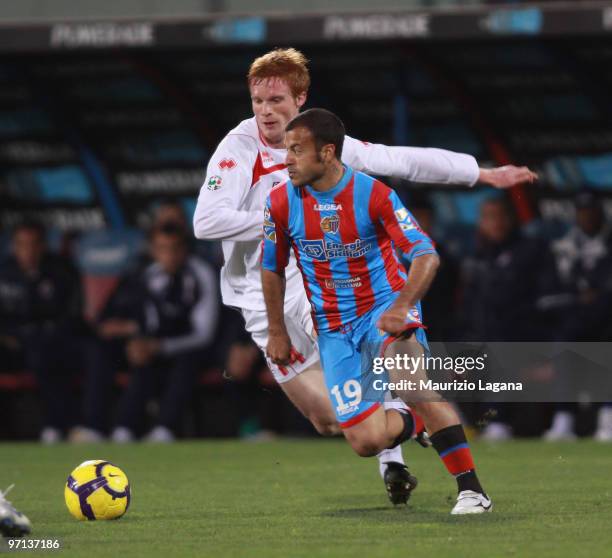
<point>248,162</point>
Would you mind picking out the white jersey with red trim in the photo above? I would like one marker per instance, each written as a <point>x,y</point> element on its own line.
<point>242,171</point>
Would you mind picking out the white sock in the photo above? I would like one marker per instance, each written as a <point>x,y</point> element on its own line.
<point>394,454</point>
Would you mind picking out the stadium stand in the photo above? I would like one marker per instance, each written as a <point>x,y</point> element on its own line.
<point>91,141</point>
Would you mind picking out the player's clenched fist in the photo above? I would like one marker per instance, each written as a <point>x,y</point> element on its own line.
<point>279,348</point>
<point>393,321</point>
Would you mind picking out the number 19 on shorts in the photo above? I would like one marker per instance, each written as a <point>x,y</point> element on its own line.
<point>348,397</point>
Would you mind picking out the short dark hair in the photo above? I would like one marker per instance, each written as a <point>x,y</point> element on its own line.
<point>324,126</point>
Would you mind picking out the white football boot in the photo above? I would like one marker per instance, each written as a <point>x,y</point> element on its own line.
<point>12,522</point>
<point>469,502</point>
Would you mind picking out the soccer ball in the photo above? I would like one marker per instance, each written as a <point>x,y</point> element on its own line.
<point>97,490</point>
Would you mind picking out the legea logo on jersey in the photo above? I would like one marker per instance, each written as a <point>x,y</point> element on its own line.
<point>327,207</point>
<point>330,224</point>
<point>322,251</point>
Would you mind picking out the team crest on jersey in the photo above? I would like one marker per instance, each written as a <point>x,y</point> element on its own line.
<point>227,164</point>
<point>330,224</point>
<point>214,183</point>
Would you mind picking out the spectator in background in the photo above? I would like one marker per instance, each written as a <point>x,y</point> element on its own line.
<point>40,322</point>
<point>499,290</point>
<point>439,305</point>
<point>578,300</point>
<point>171,211</point>
<point>161,323</point>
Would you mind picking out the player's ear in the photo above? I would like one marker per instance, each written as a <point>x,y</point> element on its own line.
<point>329,153</point>
<point>301,99</point>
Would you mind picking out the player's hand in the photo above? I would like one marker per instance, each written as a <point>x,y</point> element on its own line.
<point>393,321</point>
<point>279,349</point>
<point>507,176</point>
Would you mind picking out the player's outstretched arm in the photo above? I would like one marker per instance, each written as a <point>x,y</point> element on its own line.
<point>429,165</point>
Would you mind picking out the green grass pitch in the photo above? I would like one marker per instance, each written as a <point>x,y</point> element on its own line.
<point>315,498</point>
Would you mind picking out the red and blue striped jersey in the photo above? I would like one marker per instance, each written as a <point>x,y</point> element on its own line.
<point>345,241</point>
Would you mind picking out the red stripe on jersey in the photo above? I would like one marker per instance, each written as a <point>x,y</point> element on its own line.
<point>279,205</point>
<point>358,267</point>
<point>259,170</point>
<point>388,216</point>
<point>323,273</point>
<point>392,266</point>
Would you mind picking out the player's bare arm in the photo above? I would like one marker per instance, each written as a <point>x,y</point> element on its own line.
<point>422,272</point>
<point>279,343</point>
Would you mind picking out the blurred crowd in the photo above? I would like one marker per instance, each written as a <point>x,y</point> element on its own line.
<point>133,368</point>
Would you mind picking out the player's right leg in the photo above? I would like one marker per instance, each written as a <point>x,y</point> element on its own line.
<point>444,428</point>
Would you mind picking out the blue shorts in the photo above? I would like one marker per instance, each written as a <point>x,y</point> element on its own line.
<point>347,356</point>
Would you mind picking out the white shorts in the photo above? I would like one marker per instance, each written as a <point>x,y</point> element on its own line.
<point>301,331</point>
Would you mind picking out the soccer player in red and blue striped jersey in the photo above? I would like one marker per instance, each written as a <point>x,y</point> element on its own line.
<point>349,232</point>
